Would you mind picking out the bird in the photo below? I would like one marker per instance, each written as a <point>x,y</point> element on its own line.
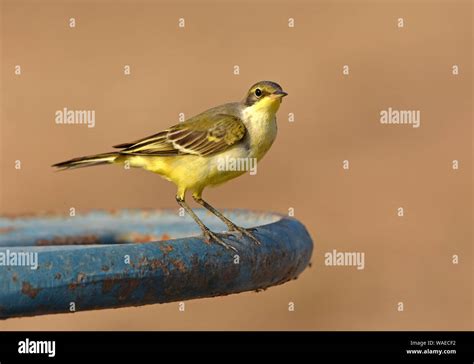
<point>190,153</point>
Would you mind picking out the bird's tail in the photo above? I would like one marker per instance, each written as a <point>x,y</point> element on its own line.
<point>88,161</point>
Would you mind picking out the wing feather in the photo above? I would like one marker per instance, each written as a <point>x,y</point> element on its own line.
<point>203,135</point>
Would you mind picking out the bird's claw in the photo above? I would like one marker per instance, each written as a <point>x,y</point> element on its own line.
<point>242,231</point>
<point>210,236</point>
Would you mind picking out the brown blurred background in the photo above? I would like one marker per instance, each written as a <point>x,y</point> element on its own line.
<point>407,259</point>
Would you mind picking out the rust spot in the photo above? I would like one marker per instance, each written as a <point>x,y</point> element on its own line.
<point>70,240</point>
<point>107,285</point>
<point>105,268</point>
<point>165,249</point>
<point>179,265</point>
<point>158,264</point>
<point>6,230</point>
<point>80,279</point>
<point>14,277</point>
<point>57,276</point>
<point>142,262</point>
<point>28,289</point>
<point>165,237</point>
<point>126,288</point>
<point>138,238</point>
<point>153,264</point>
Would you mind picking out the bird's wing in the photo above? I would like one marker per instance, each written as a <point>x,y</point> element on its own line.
<point>202,135</point>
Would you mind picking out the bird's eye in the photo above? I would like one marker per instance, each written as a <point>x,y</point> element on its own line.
<point>258,92</point>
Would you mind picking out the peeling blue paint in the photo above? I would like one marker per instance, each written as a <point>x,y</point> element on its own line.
<point>106,259</point>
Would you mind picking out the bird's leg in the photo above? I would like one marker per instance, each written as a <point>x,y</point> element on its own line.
<point>230,225</point>
<point>208,234</point>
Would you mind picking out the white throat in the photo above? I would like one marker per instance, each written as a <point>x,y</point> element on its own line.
<point>262,130</point>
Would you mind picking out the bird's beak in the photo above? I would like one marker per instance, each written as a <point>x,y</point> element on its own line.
<point>279,94</point>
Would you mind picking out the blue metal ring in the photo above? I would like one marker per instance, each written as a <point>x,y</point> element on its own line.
<point>106,259</point>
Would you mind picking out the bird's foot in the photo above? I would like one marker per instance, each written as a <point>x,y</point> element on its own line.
<point>242,231</point>
<point>211,236</point>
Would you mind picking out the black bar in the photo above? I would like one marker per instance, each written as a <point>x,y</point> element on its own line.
<point>348,345</point>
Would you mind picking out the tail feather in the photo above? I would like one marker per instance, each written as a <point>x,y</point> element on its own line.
<point>87,161</point>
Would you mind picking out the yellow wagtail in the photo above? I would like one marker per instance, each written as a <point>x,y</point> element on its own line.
<point>189,154</point>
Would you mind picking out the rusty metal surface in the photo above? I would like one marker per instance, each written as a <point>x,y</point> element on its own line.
<point>132,257</point>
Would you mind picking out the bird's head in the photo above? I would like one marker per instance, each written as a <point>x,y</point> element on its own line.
<point>265,96</point>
